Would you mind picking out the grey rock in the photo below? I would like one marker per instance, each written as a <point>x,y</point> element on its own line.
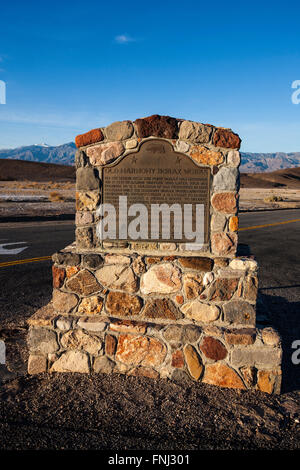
<point>104,364</point>
<point>191,334</point>
<point>87,179</point>
<point>119,130</point>
<point>267,357</point>
<point>181,377</point>
<point>226,179</point>
<point>93,261</point>
<point>81,159</point>
<point>42,340</point>
<point>68,259</point>
<point>239,312</point>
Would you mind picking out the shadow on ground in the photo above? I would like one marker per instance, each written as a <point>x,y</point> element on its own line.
<point>284,316</point>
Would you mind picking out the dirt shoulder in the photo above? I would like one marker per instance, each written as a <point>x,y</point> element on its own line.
<point>116,412</point>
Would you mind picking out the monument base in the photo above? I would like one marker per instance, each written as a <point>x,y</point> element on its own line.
<point>168,316</point>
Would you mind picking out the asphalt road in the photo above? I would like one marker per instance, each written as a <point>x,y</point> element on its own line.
<point>275,245</point>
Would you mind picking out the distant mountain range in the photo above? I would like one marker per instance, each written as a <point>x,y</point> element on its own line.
<point>64,155</point>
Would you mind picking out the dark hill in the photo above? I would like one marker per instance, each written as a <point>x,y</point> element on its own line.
<point>21,170</point>
<point>287,178</point>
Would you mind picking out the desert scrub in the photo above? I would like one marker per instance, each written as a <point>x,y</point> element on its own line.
<point>56,197</point>
<point>273,199</point>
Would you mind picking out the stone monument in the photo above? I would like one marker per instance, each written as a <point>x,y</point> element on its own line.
<point>147,297</point>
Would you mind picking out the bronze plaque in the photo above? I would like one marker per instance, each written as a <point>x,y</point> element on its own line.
<point>156,175</point>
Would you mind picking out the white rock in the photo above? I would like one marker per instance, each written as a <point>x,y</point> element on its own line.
<point>208,278</point>
<point>201,312</point>
<point>243,264</point>
<point>71,361</point>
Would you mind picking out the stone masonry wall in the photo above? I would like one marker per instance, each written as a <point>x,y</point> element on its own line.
<point>206,145</point>
<point>157,309</point>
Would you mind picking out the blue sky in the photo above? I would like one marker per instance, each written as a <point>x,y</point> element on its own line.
<point>70,66</point>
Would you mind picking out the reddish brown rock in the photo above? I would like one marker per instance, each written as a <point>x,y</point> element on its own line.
<point>95,135</point>
<point>140,350</point>
<point>213,348</point>
<point>192,285</point>
<point>223,376</point>
<point>161,309</point>
<point>241,336</point>
<point>225,202</point>
<point>158,126</point>
<point>193,362</point>
<point>58,275</point>
<point>223,289</point>
<point>224,243</point>
<point>226,138</point>
<point>83,283</point>
<point>121,304</point>
<point>110,345</point>
<point>179,299</point>
<point>144,372</point>
<point>177,359</point>
<point>197,263</point>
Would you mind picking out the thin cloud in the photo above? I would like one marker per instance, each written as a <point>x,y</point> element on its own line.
<point>67,120</point>
<point>124,39</point>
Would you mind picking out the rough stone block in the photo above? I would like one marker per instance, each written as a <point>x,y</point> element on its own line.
<point>225,202</point>
<point>269,357</point>
<point>102,154</point>
<point>122,304</point>
<point>222,375</point>
<point>195,132</point>
<point>87,179</point>
<point>140,350</point>
<point>95,135</point>
<point>239,312</point>
<point>163,309</point>
<point>42,340</point>
<point>158,126</point>
<point>226,138</point>
<point>119,130</point>
<point>72,361</point>
<point>37,364</point>
<point>213,348</point>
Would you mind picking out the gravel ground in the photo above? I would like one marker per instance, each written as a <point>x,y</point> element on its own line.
<point>115,412</point>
